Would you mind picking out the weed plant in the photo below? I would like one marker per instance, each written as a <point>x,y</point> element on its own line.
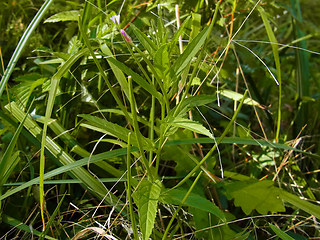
<point>159,120</point>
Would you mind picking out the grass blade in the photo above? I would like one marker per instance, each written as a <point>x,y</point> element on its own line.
<point>83,175</point>
<point>280,233</point>
<point>16,223</point>
<point>275,51</point>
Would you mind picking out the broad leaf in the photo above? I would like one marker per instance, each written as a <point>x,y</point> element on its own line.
<point>261,196</point>
<point>146,198</point>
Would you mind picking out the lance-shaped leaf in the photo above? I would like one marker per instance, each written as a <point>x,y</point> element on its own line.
<point>113,129</point>
<point>137,78</point>
<point>146,198</point>
<point>144,40</point>
<point>186,57</point>
<point>194,200</point>
<point>172,124</point>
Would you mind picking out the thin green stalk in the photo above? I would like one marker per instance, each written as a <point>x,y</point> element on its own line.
<point>112,91</point>
<point>230,124</point>
<point>22,43</point>
<point>132,218</point>
<point>136,126</point>
<point>182,202</point>
<point>151,129</point>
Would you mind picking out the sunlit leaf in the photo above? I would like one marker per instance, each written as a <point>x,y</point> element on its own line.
<point>261,196</point>
<point>72,15</point>
<point>146,197</point>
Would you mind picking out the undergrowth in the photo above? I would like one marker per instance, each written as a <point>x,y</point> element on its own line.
<point>161,120</point>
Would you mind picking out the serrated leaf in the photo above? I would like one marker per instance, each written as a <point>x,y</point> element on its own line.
<point>175,197</point>
<point>72,15</point>
<point>146,198</point>
<point>186,57</point>
<point>237,97</point>
<point>113,129</point>
<point>261,196</point>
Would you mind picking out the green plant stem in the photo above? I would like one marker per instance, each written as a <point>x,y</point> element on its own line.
<point>136,127</point>
<point>112,91</point>
<point>178,209</point>
<point>132,217</point>
<point>230,124</point>
<point>151,129</point>
<point>22,43</point>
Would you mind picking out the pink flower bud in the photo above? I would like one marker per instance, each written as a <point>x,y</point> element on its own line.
<point>126,36</point>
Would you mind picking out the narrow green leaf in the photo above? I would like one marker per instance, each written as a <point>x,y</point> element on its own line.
<point>194,200</point>
<point>52,217</point>
<point>275,51</point>
<point>178,33</point>
<point>117,72</point>
<point>144,40</point>
<point>300,203</point>
<point>280,233</point>
<point>193,101</point>
<point>20,225</point>
<point>179,122</point>
<point>186,57</point>
<point>9,159</point>
<point>146,198</point>
<point>237,97</point>
<point>137,78</point>
<point>64,16</point>
<point>115,130</point>
<point>52,95</point>
<point>161,61</point>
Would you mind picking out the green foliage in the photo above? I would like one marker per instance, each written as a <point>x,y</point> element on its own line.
<point>146,197</point>
<point>260,196</point>
<point>126,112</point>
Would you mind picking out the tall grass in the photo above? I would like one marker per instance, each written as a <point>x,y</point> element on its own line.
<point>140,133</point>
